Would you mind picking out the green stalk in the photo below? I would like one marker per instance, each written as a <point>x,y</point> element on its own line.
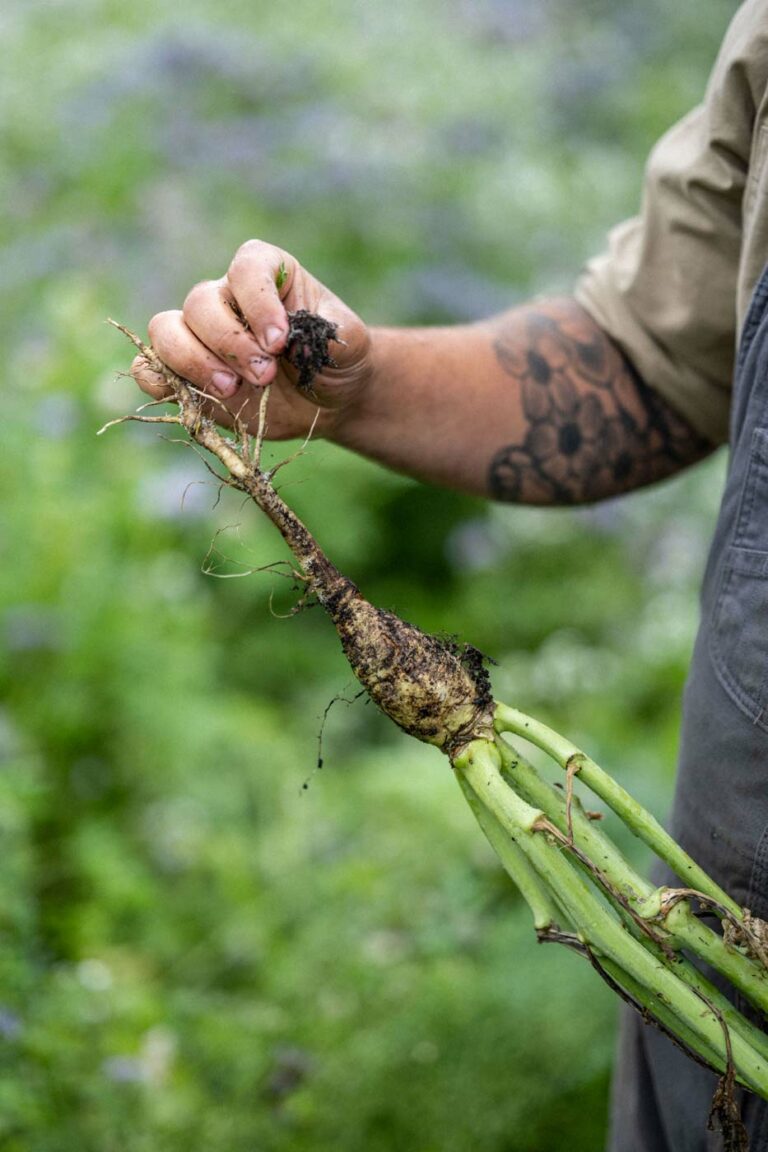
<point>523,777</point>
<point>545,916</point>
<point>637,819</point>
<point>686,930</point>
<point>660,1011</point>
<point>598,926</point>
<point>514,861</point>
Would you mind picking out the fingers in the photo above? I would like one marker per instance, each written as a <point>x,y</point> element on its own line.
<point>150,382</point>
<point>260,277</point>
<point>211,314</point>
<point>179,348</point>
<point>234,329</point>
<point>229,330</point>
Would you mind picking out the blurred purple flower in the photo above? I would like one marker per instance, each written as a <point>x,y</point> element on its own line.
<point>504,21</point>
<point>473,137</point>
<point>451,293</point>
<point>32,628</point>
<point>124,1069</point>
<point>474,546</point>
<point>57,415</point>
<point>11,1026</point>
<point>34,257</point>
<point>174,492</point>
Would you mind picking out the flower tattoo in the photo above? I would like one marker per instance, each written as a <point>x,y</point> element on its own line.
<point>594,429</point>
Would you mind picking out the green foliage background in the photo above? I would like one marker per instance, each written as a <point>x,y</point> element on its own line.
<point>197,953</point>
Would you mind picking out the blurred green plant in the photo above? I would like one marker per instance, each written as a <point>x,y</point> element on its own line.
<point>196,952</point>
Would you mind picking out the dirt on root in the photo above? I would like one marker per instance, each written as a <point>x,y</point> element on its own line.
<point>433,688</point>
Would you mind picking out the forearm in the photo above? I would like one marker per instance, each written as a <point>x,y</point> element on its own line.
<point>536,406</point>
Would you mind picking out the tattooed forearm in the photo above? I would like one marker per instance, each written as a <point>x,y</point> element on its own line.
<point>591,427</point>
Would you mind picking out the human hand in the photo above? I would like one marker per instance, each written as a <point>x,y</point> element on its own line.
<point>229,337</point>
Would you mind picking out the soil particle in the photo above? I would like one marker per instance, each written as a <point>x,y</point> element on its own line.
<point>307,346</point>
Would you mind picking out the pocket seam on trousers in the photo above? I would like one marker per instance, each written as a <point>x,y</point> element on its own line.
<point>758,460</point>
<point>751,703</point>
<point>741,602</point>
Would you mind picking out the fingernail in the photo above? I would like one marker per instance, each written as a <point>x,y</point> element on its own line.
<point>225,383</point>
<point>273,335</point>
<point>259,365</point>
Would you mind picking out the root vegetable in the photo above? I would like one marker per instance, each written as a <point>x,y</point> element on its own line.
<point>581,890</point>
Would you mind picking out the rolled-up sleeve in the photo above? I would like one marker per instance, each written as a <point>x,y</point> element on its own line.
<point>667,287</point>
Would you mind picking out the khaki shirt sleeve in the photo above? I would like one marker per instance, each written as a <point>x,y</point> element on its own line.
<point>666,287</point>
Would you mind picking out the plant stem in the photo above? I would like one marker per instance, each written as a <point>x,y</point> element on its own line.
<point>598,926</point>
<point>545,913</point>
<point>660,1011</point>
<point>514,861</point>
<point>325,579</point>
<point>637,819</point>
<point>684,928</point>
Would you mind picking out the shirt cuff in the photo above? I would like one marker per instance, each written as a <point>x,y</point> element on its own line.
<point>704,403</point>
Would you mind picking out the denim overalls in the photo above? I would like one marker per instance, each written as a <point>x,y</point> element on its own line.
<point>720,816</point>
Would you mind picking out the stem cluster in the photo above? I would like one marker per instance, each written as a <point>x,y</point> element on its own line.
<point>642,940</point>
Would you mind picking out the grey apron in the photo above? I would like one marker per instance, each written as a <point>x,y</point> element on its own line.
<point>661,1099</point>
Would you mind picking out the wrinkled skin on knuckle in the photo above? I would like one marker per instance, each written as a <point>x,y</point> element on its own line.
<point>247,252</point>
<point>199,293</point>
<point>148,381</point>
<point>157,328</point>
<point>175,345</point>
